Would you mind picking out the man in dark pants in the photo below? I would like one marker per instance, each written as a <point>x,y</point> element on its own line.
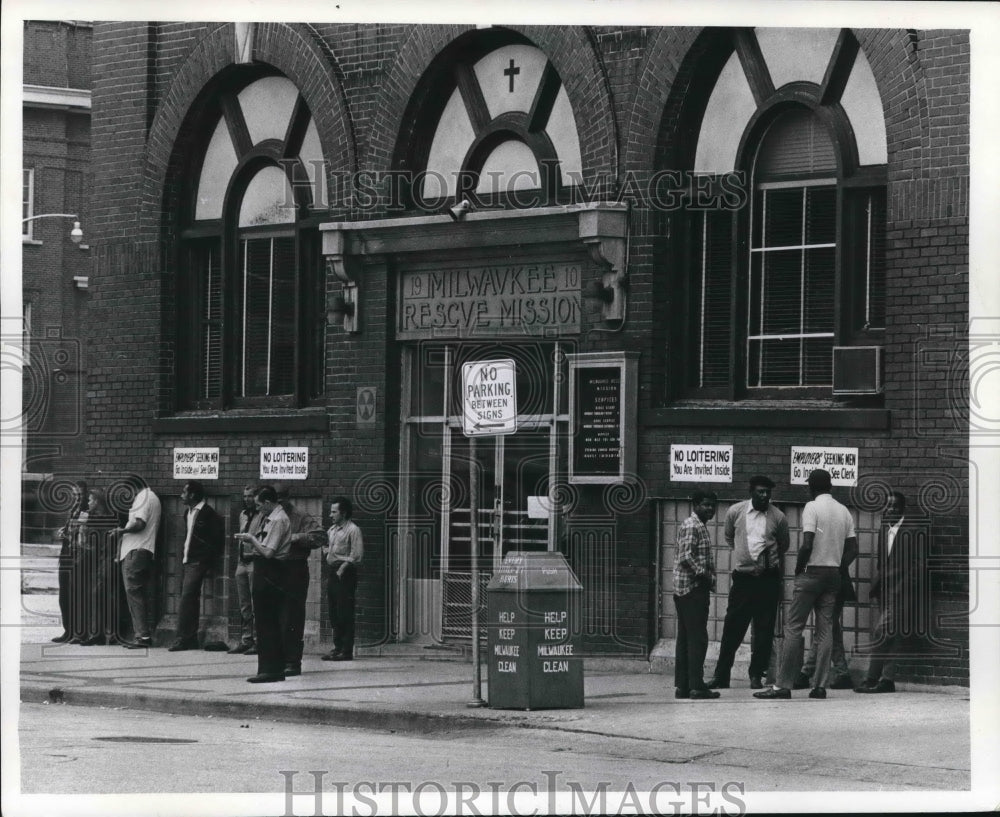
<point>68,557</point>
<point>244,575</point>
<point>694,579</point>
<point>205,534</point>
<point>829,545</point>
<point>306,535</point>
<point>897,586</point>
<point>271,545</point>
<point>757,532</point>
<point>346,548</point>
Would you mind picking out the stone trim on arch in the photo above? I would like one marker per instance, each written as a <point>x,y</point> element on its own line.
<point>569,49</point>
<point>297,52</point>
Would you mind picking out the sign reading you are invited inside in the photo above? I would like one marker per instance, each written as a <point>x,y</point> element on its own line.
<point>502,299</point>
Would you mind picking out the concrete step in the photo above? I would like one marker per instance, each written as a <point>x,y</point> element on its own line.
<point>33,549</point>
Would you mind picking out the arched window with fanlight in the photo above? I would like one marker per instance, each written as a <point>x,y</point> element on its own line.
<point>251,328</point>
<point>775,286</point>
<point>497,125</point>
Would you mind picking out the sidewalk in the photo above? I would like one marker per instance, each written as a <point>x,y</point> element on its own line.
<point>915,739</point>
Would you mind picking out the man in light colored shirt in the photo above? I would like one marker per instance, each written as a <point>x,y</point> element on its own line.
<point>758,534</point>
<point>271,542</point>
<point>138,546</point>
<point>203,543</point>
<point>829,545</point>
<point>344,554</point>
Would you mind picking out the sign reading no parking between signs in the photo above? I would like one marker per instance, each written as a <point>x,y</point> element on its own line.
<point>489,398</point>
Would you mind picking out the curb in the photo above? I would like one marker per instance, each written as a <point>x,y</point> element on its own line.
<point>300,713</point>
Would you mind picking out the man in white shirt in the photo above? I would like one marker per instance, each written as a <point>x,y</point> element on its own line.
<point>346,548</point>
<point>138,546</point>
<point>203,542</point>
<point>829,545</point>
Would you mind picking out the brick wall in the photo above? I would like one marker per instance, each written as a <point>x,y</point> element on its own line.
<point>365,84</point>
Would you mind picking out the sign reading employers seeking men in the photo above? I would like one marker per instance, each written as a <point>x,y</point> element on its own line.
<point>284,463</point>
<point>196,463</point>
<point>842,463</point>
<point>701,463</point>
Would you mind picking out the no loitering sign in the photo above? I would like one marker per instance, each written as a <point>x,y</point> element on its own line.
<point>489,397</point>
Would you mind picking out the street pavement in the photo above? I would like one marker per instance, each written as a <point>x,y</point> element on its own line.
<point>914,738</point>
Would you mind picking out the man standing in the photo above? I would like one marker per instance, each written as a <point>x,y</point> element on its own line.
<point>138,546</point>
<point>271,545</point>
<point>306,535</point>
<point>694,579</point>
<point>203,544</point>
<point>757,532</point>
<point>829,545</point>
<point>896,587</point>
<point>838,655</point>
<point>244,575</point>
<point>346,549</point>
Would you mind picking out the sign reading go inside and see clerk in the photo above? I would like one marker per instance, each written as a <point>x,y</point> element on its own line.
<point>842,463</point>
<point>196,463</point>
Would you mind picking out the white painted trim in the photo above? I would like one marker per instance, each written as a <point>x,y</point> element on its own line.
<point>44,96</point>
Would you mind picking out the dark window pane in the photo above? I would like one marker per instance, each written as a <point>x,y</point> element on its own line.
<point>818,297</point>
<point>256,279</point>
<point>782,215</point>
<point>713,297</point>
<point>818,362</point>
<point>210,355</point>
<point>781,301</point>
<point>821,215</point>
<point>876,260</point>
<point>281,378</point>
<point>773,362</point>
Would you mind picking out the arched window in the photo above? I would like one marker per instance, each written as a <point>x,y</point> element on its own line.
<point>501,127</point>
<point>251,329</point>
<point>775,285</point>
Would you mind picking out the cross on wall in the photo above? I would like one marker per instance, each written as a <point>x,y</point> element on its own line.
<point>511,71</point>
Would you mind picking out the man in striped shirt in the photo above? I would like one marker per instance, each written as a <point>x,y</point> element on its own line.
<point>694,580</point>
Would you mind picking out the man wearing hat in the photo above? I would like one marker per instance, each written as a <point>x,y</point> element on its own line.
<point>757,532</point>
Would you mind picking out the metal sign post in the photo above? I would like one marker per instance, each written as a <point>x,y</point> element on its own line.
<point>489,400</point>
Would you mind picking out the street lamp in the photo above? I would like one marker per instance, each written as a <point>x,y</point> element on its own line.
<point>76,234</point>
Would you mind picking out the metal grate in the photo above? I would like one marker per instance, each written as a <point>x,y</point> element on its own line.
<point>456,604</point>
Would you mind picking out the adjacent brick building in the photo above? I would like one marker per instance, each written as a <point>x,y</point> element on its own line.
<point>750,240</point>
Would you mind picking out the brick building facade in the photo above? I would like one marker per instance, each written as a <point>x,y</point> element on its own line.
<point>758,238</point>
<point>55,269</point>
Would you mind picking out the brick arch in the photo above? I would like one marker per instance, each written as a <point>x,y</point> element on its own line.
<point>902,87</point>
<point>297,52</point>
<point>659,79</point>
<point>571,52</point>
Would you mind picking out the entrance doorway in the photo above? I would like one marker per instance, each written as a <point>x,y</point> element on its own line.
<point>518,478</point>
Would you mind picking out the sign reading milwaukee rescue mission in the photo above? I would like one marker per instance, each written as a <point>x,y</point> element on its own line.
<point>505,299</point>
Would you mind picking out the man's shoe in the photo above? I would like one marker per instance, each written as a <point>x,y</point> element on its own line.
<point>181,646</point>
<point>138,644</point>
<point>756,682</point>
<point>843,682</point>
<point>61,639</point>
<point>251,650</point>
<point>818,693</point>
<point>718,683</point>
<point>773,694</point>
<point>292,670</point>
<point>883,685</point>
<point>239,649</point>
<point>94,641</point>
<point>682,693</point>
<point>802,682</point>
<point>344,656</point>
<point>333,655</point>
<point>77,639</point>
<point>703,694</point>
<point>265,678</point>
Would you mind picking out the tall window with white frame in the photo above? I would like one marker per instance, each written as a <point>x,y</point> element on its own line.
<point>27,202</point>
<point>251,328</point>
<point>774,286</point>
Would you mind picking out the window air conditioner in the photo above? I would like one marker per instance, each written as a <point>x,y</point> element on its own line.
<point>857,370</point>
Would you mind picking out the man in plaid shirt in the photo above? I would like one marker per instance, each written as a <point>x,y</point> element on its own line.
<point>694,579</point>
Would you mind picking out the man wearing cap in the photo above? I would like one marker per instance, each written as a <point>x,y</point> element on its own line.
<point>757,532</point>
<point>829,545</point>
